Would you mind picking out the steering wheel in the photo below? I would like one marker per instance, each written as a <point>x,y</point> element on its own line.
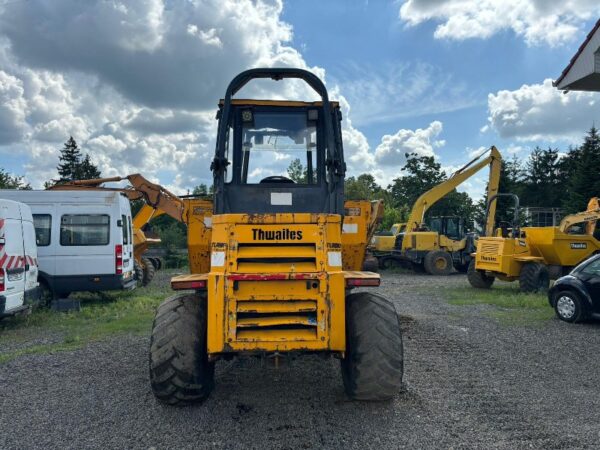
<point>276,179</point>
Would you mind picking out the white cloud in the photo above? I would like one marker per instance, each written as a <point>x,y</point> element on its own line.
<point>393,91</point>
<point>136,83</point>
<point>12,108</point>
<point>550,22</point>
<point>390,154</point>
<point>540,112</point>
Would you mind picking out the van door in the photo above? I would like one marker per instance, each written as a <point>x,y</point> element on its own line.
<point>12,262</point>
<point>30,250</point>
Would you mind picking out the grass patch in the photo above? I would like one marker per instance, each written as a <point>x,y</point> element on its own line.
<point>101,316</point>
<point>512,306</point>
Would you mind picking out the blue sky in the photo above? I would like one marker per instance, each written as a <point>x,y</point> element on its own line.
<point>137,82</point>
<point>326,32</point>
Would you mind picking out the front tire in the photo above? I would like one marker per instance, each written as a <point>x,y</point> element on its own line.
<point>373,366</point>
<point>477,278</point>
<point>569,307</point>
<point>180,373</point>
<point>438,262</point>
<point>534,277</point>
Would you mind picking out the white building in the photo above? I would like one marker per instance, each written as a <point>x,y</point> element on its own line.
<point>583,71</point>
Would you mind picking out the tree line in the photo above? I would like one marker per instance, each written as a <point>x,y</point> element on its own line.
<point>546,178</point>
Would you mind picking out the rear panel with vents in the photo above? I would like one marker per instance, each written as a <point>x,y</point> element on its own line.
<point>277,294</point>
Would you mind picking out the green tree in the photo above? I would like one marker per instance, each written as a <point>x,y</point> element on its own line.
<point>584,181</point>
<point>8,181</point>
<point>87,170</point>
<point>297,172</point>
<point>73,166</point>
<point>543,184</point>
<point>363,187</point>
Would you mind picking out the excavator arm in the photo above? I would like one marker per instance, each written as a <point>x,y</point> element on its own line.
<point>432,196</point>
<point>155,196</point>
<point>589,217</point>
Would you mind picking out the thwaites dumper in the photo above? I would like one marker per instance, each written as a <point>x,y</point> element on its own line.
<point>276,284</point>
<point>534,255</point>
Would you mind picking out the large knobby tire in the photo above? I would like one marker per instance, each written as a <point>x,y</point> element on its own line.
<point>438,262</point>
<point>180,373</point>
<point>139,273</point>
<point>373,366</point>
<point>534,277</point>
<point>569,307</point>
<point>149,271</point>
<point>477,278</point>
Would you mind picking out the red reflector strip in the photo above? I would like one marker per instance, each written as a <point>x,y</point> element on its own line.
<point>272,276</point>
<point>196,284</point>
<point>363,281</point>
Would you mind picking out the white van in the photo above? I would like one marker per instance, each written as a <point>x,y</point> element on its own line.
<point>84,240</point>
<point>18,259</point>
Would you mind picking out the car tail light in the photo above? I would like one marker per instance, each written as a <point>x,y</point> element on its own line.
<point>1,279</point>
<point>118,259</point>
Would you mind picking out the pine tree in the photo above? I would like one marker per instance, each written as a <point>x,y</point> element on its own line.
<point>87,170</point>
<point>584,181</point>
<point>73,166</point>
<point>69,161</point>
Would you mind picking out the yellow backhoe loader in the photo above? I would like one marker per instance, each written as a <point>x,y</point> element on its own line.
<point>276,284</point>
<point>444,244</point>
<point>534,255</point>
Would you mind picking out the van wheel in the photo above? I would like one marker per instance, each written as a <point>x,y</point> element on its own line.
<point>149,271</point>
<point>46,295</point>
<point>477,278</point>
<point>180,373</point>
<point>373,365</point>
<point>438,262</point>
<point>534,277</point>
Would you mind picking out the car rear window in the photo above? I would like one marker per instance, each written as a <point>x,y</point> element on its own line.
<point>84,229</point>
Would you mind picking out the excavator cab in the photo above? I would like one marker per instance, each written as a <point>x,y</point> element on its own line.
<point>277,282</point>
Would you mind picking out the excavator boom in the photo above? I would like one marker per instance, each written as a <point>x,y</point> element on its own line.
<point>429,198</point>
<point>589,217</point>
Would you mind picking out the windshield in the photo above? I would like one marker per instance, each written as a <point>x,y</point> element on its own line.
<point>282,144</point>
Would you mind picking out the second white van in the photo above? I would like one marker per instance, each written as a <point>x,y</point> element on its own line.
<point>84,239</point>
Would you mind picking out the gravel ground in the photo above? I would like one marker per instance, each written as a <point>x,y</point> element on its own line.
<point>470,383</point>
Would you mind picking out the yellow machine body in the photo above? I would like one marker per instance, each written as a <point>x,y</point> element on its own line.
<point>504,257</point>
<point>385,243</point>
<point>269,270</point>
<point>361,219</point>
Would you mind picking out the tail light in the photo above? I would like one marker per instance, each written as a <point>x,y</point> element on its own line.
<point>118,259</point>
<point>1,279</point>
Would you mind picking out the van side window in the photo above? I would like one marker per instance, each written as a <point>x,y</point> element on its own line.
<point>84,229</point>
<point>125,228</point>
<point>43,229</point>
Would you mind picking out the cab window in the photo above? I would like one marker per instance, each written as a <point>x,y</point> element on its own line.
<point>278,144</point>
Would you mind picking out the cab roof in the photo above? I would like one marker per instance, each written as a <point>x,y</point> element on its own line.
<point>294,103</point>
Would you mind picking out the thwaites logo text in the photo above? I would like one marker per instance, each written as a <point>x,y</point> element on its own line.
<point>578,245</point>
<point>488,258</point>
<point>285,234</point>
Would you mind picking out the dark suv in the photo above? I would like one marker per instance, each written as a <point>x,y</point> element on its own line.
<point>576,296</point>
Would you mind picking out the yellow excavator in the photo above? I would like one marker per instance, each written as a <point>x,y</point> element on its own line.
<point>534,255</point>
<point>383,242</point>
<point>444,243</point>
